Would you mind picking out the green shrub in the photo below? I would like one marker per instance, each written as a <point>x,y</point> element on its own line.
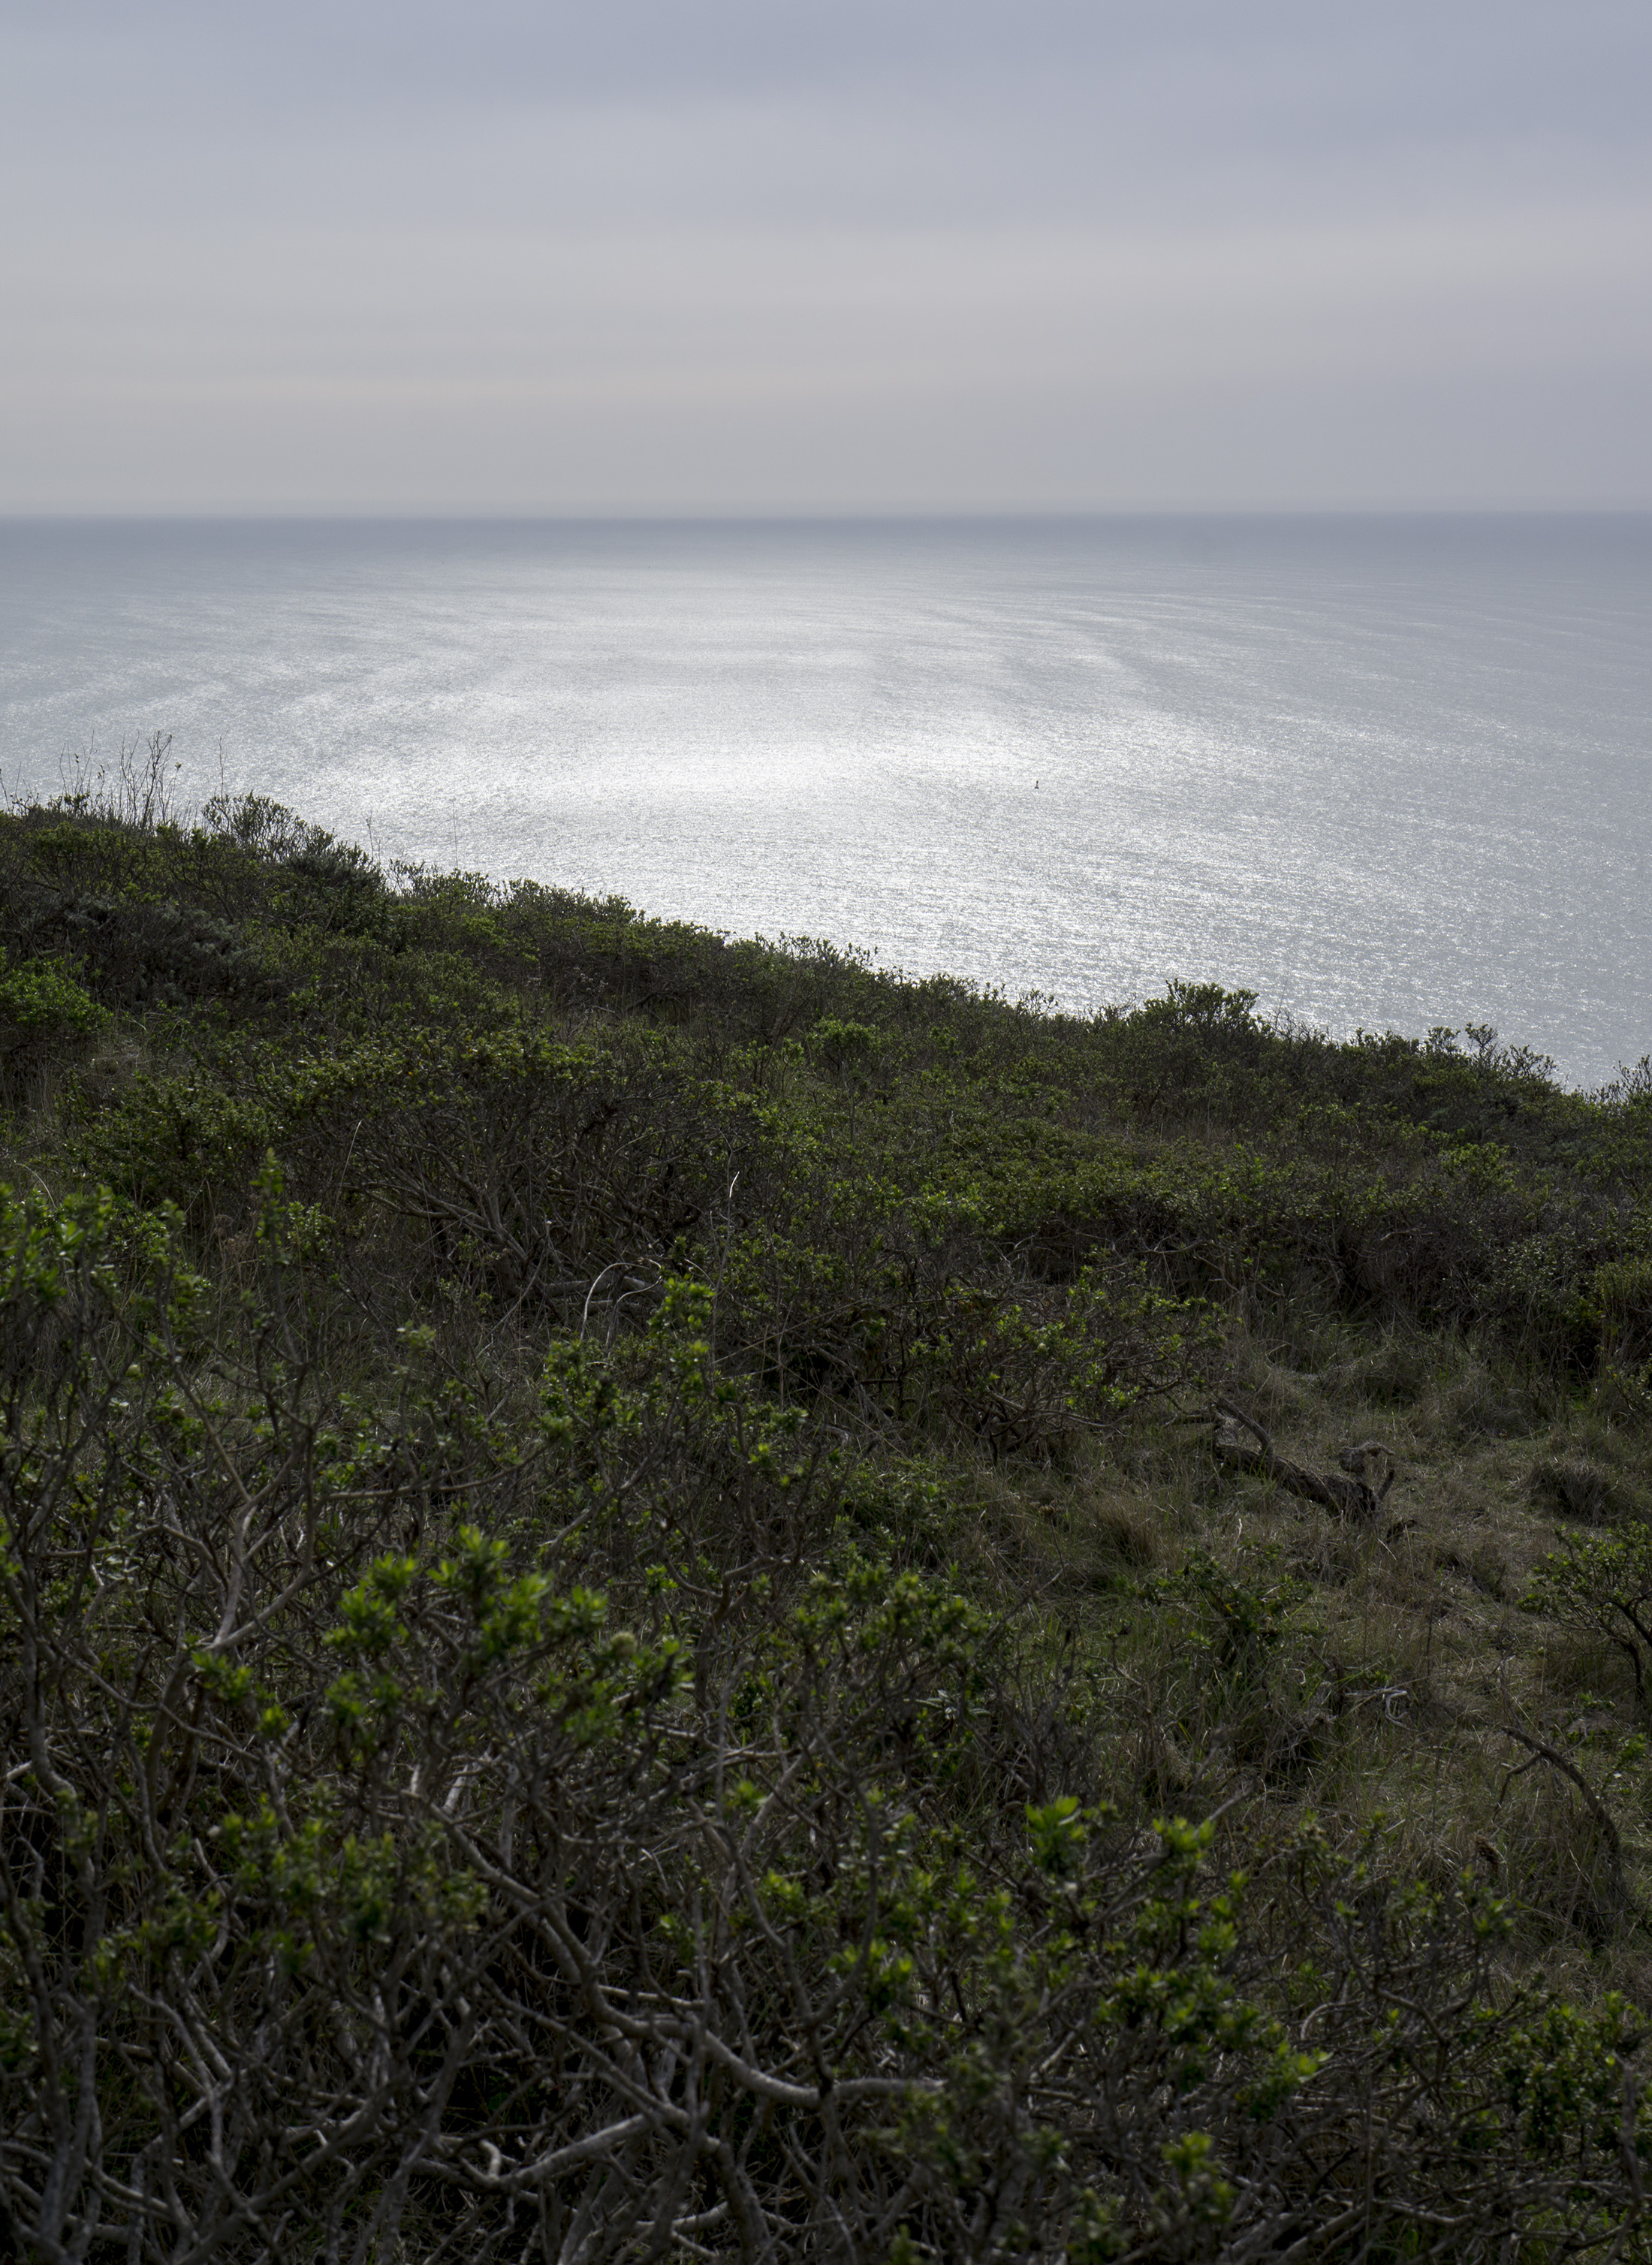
<point>41,1000</point>
<point>1601,1583</point>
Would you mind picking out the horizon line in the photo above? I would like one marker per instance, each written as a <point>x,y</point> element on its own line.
<point>709,515</point>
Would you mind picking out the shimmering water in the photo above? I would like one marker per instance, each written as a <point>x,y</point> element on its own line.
<point>1385,772</point>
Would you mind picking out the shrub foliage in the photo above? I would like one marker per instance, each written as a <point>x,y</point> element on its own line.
<point>511,1744</point>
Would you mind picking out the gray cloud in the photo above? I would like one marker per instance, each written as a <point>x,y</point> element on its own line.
<point>767,255</point>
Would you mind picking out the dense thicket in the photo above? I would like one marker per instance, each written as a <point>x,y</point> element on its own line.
<point>652,1607</point>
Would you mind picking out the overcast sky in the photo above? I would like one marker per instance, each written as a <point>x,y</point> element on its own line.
<point>740,255</point>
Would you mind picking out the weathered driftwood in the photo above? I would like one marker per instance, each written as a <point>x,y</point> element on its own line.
<point>1360,1495</point>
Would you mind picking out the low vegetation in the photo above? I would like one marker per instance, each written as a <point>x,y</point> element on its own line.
<point>663,1597</point>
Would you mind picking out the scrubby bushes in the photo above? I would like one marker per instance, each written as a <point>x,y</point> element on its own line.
<point>548,1828</point>
<point>531,1723</point>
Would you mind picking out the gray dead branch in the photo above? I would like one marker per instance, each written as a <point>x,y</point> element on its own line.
<point>1358,1491</point>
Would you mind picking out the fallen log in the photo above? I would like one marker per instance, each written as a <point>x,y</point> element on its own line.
<point>1360,1495</point>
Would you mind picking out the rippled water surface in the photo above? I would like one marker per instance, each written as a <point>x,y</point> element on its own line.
<point>1383,772</point>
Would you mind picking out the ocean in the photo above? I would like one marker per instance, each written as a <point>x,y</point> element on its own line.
<point>1386,772</point>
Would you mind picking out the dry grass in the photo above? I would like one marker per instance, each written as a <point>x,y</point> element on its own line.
<point>1414,1626</point>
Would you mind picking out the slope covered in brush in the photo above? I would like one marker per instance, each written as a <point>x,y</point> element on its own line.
<point>654,1603</point>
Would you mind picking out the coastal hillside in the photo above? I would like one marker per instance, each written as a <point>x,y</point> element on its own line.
<point>664,1597</point>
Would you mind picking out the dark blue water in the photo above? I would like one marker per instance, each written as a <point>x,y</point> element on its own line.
<point>1386,772</point>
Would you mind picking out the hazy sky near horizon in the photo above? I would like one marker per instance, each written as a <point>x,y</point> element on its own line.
<point>753,255</point>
